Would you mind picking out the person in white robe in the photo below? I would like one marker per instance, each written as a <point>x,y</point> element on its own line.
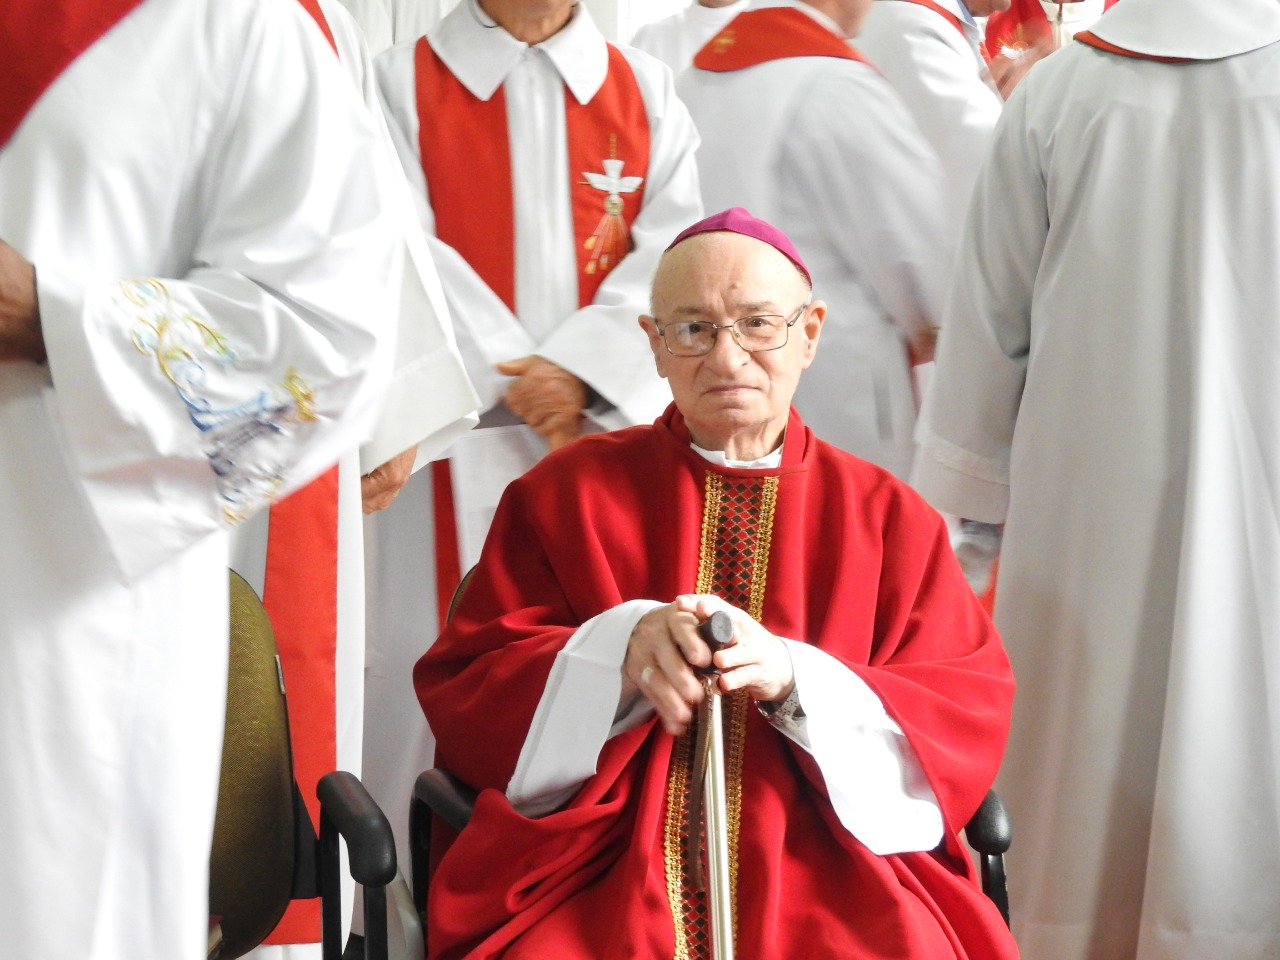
<point>835,160</point>
<point>932,54</point>
<point>588,348</point>
<point>388,22</point>
<point>675,39</point>
<point>211,268</point>
<point>429,403</point>
<point>1108,386</point>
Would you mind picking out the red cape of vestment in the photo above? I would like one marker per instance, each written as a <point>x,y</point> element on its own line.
<point>857,565</point>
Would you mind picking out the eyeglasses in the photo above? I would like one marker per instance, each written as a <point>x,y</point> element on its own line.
<point>693,338</point>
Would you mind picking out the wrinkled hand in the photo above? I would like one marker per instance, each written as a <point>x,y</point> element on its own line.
<point>922,346</point>
<point>665,648</point>
<point>547,397</point>
<point>20,335</point>
<point>380,485</point>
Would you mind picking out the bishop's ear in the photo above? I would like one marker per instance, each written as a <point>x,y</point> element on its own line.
<point>650,326</point>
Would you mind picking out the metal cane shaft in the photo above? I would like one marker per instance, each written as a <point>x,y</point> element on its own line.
<point>719,891</point>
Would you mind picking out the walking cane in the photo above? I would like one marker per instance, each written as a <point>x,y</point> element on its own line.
<point>717,632</point>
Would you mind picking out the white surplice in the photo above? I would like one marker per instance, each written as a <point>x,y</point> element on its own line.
<point>675,39</point>
<point>831,156</point>
<point>941,76</point>
<point>429,402</point>
<point>602,343</point>
<point>217,147</point>
<point>1108,385</point>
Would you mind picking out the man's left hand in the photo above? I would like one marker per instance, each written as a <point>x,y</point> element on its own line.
<point>380,485</point>
<point>20,334</point>
<point>547,397</point>
<point>756,660</point>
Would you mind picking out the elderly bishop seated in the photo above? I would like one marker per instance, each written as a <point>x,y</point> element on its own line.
<point>865,696</point>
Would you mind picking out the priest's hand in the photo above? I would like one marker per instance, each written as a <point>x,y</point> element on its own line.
<point>547,397</point>
<point>1008,70</point>
<point>380,485</point>
<point>661,654</point>
<point>20,334</point>
<point>665,648</point>
<point>755,660</point>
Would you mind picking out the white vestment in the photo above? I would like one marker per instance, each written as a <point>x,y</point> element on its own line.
<point>217,147</point>
<point>601,343</point>
<point>941,76</point>
<point>675,39</point>
<point>1108,385</point>
<point>835,161</point>
<point>429,403</point>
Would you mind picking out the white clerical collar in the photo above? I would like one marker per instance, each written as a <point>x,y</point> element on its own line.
<point>483,56</point>
<point>769,461</point>
<point>696,12</point>
<point>818,15</point>
<point>1075,16</point>
<point>1194,29</point>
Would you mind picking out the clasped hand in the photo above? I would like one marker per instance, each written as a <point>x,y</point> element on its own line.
<point>546,397</point>
<point>664,650</point>
<point>20,334</point>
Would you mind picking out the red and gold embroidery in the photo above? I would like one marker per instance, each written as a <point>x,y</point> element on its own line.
<point>737,528</point>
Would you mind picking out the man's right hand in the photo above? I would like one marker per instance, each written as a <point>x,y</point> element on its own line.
<point>20,334</point>
<point>663,650</point>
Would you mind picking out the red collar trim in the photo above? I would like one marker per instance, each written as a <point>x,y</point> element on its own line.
<point>774,33</point>
<point>1091,39</point>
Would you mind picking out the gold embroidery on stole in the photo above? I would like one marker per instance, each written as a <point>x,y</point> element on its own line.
<point>737,512</point>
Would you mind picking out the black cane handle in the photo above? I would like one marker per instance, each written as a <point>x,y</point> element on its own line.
<point>716,632</point>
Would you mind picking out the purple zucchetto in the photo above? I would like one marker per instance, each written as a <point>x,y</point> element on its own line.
<point>739,220</point>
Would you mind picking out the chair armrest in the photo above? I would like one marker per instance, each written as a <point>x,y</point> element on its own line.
<point>446,796</point>
<point>988,830</point>
<point>371,846</point>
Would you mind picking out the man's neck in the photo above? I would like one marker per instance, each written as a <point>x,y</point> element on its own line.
<point>529,22</point>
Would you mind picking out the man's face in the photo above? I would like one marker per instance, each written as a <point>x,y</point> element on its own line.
<point>732,399</point>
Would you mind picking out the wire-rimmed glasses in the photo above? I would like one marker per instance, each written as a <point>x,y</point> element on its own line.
<point>755,334</point>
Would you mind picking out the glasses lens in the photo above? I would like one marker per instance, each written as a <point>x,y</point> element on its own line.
<point>689,338</point>
<point>761,333</point>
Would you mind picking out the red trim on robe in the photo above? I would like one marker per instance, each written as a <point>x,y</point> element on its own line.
<point>1022,26</point>
<point>943,12</point>
<point>40,39</point>
<point>474,210</point>
<point>774,33</point>
<point>300,593</point>
<point>313,7</point>
<point>1091,39</point>
<point>876,587</point>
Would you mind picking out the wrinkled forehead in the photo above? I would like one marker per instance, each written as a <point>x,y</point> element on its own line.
<point>726,272</point>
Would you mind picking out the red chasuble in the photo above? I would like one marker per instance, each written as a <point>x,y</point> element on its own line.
<point>825,548</point>
<point>40,39</point>
<point>300,593</point>
<point>1022,26</point>
<point>774,33</point>
<point>473,204</point>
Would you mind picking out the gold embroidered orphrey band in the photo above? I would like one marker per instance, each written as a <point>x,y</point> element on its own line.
<point>733,560</point>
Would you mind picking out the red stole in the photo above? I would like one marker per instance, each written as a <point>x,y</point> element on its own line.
<point>608,148</point>
<point>774,33</point>
<point>300,593</point>
<point>40,39</point>
<point>1022,26</point>
<point>1089,38</point>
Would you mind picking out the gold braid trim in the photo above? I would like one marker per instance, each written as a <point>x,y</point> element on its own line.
<point>759,572</point>
<point>735,706</point>
<point>707,546</point>
<point>671,839</point>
